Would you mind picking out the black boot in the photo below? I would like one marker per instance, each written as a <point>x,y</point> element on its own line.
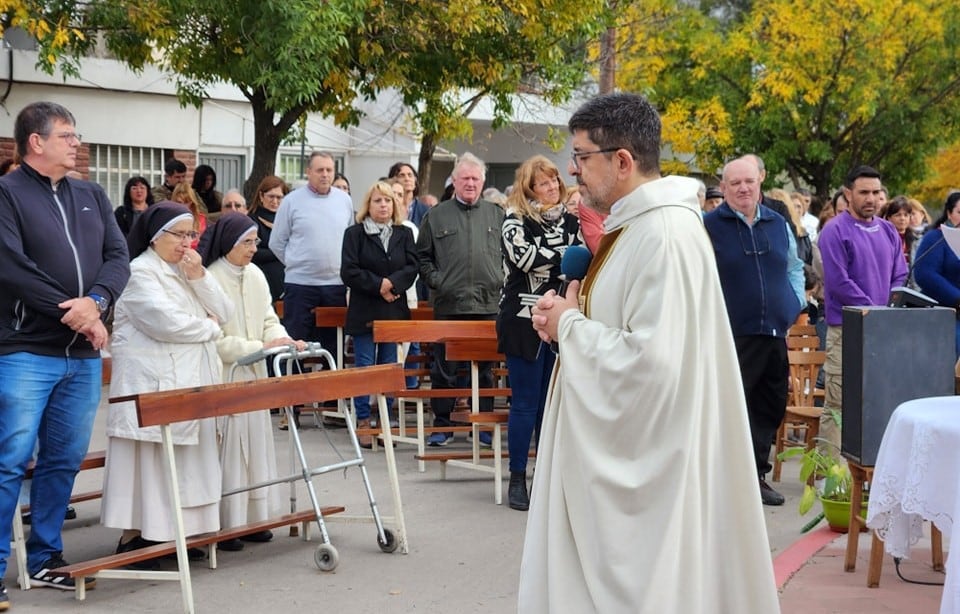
<point>517,493</point>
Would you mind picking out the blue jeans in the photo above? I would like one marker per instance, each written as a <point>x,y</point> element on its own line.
<point>412,380</point>
<point>529,381</point>
<point>50,401</point>
<point>365,354</point>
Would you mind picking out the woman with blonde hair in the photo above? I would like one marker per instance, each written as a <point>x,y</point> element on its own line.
<point>804,245</point>
<point>378,264</point>
<point>184,194</point>
<point>536,232</point>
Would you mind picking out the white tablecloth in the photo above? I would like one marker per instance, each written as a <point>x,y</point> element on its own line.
<point>916,478</point>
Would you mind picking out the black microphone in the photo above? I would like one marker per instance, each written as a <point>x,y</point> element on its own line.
<point>573,266</point>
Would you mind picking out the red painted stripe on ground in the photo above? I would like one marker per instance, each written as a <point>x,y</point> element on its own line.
<point>799,552</point>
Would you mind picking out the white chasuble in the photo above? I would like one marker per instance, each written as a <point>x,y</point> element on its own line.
<point>645,496</point>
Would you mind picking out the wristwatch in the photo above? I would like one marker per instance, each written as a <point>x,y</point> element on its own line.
<point>102,303</point>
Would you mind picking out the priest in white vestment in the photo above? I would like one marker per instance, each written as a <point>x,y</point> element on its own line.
<point>645,497</point>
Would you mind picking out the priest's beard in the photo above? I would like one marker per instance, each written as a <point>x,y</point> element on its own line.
<point>598,196</point>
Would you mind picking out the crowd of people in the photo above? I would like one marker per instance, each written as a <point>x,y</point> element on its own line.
<point>190,276</point>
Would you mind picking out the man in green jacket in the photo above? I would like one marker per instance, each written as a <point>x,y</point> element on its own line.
<point>460,260</point>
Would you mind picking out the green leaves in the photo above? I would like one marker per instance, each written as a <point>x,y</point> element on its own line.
<point>814,86</point>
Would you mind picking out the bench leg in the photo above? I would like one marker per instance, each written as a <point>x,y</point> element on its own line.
<point>183,562</point>
<point>19,545</point>
<point>443,470</point>
<point>497,465</point>
<point>421,437</point>
<point>392,475</point>
<point>401,417</point>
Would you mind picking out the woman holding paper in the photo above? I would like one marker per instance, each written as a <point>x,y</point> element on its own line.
<point>936,266</point>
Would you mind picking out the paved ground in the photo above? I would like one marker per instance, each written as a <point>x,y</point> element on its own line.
<point>464,556</point>
<point>821,585</point>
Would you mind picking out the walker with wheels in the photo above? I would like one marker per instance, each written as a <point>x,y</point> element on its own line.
<point>326,555</point>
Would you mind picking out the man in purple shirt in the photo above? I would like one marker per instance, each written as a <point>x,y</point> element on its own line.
<point>862,261</point>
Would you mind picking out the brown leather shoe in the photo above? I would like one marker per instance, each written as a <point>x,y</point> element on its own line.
<point>366,441</point>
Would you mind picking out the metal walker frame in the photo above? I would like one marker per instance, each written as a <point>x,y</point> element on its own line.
<point>326,556</point>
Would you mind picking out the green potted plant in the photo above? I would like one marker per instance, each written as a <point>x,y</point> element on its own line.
<point>832,487</point>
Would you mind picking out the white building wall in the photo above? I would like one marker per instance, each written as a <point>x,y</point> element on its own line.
<point>116,106</point>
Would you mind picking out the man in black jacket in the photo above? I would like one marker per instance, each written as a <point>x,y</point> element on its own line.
<point>65,264</point>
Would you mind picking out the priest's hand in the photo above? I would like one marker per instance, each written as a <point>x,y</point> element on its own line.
<point>549,308</point>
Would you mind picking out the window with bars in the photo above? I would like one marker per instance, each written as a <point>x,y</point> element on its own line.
<point>230,170</point>
<point>112,165</point>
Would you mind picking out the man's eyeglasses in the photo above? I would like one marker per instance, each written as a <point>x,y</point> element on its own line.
<point>577,156</point>
<point>250,242</point>
<point>183,236</point>
<point>69,137</point>
<point>234,206</point>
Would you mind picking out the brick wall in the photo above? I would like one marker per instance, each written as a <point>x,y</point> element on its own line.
<point>8,148</point>
<point>187,157</point>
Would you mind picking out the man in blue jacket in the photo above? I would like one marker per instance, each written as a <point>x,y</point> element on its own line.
<point>762,281</point>
<point>65,264</point>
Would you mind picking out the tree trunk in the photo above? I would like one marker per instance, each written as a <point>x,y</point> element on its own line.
<point>608,61</point>
<point>266,140</point>
<point>821,182</point>
<point>428,145</point>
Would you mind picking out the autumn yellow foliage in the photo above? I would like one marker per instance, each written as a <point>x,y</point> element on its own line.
<point>814,86</point>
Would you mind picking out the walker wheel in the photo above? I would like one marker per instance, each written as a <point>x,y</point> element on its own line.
<point>391,544</point>
<point>326,557</point>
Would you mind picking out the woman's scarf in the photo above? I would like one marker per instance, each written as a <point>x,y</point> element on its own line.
<point>374,228</point>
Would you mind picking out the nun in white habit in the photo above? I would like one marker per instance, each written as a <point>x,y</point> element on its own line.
<point>246,440</point>
<point>166,326</point>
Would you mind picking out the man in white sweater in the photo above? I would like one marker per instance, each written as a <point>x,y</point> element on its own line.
<point>307,238</point>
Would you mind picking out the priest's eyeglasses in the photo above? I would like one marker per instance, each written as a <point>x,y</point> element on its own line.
<point>577,156</point>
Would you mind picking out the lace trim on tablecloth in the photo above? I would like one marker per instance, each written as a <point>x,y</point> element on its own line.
<point>898,518</point>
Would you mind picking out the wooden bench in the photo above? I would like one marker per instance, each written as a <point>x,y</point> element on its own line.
<point>166,407</point>
<point>477,350</point>
<point>468,340</point>
<point>93,460</point>
<point>435,331</point>
<point>463,457</point>
<point>333,317</point>
<point>103,567</point>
